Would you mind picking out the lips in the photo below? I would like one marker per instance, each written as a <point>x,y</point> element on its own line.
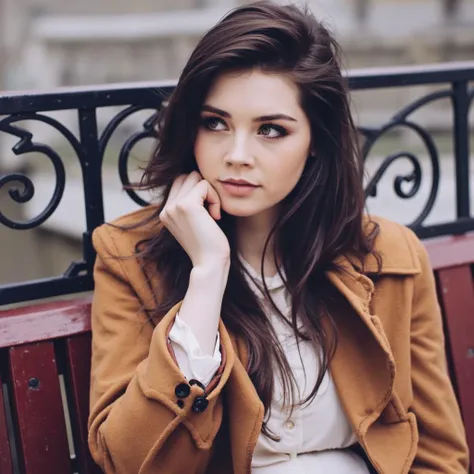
<point>241,182</point>
<point>238,187</point>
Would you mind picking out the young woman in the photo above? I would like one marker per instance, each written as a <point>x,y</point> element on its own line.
<point>255,320</point>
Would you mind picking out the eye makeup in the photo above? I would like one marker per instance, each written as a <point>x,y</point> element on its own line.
<point>212,122</point>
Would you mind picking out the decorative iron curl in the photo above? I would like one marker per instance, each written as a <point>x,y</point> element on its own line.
<point>26,145</point>
<point>149,131</point>
<point>416,175</point>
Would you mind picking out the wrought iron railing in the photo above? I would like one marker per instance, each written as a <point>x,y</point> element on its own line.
<point>89,145</point>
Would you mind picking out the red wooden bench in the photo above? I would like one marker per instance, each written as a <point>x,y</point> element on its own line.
<point>40,342</point>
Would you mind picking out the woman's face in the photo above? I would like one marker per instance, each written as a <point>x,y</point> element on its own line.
<point>252,130</point>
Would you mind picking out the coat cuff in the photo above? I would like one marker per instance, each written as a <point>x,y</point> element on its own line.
<point>161,379</point>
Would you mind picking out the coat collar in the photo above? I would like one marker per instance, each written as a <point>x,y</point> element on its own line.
<point>391,244</point>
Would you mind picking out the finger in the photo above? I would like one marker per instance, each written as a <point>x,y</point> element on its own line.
<point>209,194</point>
<point>175,187</point>
<point>191,180</point>
<point>214,203</point>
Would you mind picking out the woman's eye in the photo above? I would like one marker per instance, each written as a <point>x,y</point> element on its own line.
<point>213,123</point>
<point>272,131</point>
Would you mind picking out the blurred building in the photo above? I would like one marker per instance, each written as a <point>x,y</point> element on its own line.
<point>48,43</point>
<point>54,42</point>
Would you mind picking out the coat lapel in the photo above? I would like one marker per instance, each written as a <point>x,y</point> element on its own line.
<point>366,383</point>
<point>361,338</point>
<point>363,371</point>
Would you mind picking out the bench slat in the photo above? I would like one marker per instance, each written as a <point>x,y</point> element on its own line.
<point>43,446</point>
<point>44,321</point>
<point>5,453</point>
<point>78,353</point>
<point>457,299</point>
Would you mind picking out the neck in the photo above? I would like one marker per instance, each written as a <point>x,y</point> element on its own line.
<point>252,233</point>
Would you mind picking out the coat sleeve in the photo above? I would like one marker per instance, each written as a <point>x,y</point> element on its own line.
<point>442,444</point>
<point>141,406</point>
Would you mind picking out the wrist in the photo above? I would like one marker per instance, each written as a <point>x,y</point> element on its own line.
<point>212,267</point>
<point>210,277</point>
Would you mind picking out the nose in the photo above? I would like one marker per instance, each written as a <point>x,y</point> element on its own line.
<point>239,153</point>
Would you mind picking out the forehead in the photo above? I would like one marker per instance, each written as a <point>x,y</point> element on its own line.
<point>254,91</point>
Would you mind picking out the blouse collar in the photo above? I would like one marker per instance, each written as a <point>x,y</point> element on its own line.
<point>273,283</point>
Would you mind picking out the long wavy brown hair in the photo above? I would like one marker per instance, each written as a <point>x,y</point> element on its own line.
<point>321,219</point>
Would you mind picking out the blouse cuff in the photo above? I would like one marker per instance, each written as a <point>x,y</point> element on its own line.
<point>192,363</point>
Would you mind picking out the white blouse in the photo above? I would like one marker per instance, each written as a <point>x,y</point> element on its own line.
<point>315,438</point>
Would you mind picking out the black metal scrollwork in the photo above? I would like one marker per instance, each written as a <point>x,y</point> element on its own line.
<point>416,175</point>
<point>27,145</point>
<point>148,131</point>
<point>90,150</point>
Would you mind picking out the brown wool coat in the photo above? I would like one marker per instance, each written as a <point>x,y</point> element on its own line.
<point>389,370</point>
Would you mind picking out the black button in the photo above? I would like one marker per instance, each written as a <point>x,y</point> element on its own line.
<point>199,384</point>
<point>200,404</point>
<point>180,403</point>
<point>182,390</point>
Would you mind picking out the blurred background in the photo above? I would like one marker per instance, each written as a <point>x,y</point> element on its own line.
<point>45,44</point>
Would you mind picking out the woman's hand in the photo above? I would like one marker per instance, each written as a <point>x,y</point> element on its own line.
<point>192,225</point>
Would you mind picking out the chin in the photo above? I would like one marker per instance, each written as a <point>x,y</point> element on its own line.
<point>240,210</point>
<point>236,212</point>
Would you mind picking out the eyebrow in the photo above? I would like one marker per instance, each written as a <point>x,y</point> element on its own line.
<point>262,118</point>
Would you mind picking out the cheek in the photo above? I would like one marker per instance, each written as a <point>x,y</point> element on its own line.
<point>291,163</point>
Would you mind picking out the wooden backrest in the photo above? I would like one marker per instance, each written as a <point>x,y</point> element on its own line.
<point>44,371</point>
<point>452,259</point>
<point>44,346</point>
